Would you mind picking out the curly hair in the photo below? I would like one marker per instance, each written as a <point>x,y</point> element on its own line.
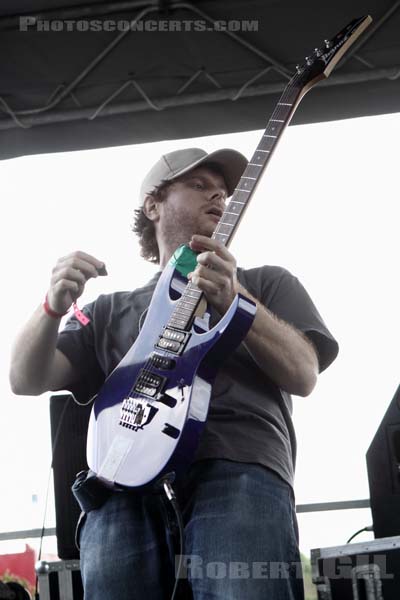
<point>144,228</point>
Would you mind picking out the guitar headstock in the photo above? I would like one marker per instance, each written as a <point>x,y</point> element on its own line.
<point>324,59</point>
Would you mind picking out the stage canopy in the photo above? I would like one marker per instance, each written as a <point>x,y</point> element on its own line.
<point>71,78</point>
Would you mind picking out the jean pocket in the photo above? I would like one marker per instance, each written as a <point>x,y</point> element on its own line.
<point>78,529</point>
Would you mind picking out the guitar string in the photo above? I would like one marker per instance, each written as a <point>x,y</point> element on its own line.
<point>278,112</point>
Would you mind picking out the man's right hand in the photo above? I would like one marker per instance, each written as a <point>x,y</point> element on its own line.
<point>69,278</point>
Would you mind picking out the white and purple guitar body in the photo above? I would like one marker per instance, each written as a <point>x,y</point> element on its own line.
<point>151,410</point>
<point>148,416</point>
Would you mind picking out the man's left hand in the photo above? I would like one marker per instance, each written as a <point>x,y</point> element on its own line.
<point>215,273</point>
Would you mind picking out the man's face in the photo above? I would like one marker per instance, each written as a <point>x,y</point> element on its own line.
<point>194,204</point>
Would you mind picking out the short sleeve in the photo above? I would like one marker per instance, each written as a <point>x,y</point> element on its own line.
<point>292,303</point>
<point>77,343</point>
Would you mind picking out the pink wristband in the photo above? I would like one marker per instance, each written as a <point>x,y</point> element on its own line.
<point>52,313</point>
<point>82,318</point>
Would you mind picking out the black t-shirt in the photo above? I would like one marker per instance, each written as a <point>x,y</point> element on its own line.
<point>250,417</point>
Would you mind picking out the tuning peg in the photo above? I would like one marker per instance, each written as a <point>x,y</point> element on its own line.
<point>309,61</point>
<point>299,69</point>
<point>328,44</point>
<point>318,52</point>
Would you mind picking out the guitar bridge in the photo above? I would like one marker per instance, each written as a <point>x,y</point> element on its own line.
<point>136,413</point>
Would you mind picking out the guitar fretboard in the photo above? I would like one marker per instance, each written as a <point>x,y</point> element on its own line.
<point>258,162</point>
<point>185,308</point>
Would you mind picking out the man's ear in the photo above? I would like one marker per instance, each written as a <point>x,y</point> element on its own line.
<point>151,208</point>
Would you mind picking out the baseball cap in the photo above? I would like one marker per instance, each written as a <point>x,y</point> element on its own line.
<point>174,164</point>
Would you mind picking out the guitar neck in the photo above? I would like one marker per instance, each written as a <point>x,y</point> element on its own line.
<point>247,185</point>
<point>235,209</point>
<point>317,66</point>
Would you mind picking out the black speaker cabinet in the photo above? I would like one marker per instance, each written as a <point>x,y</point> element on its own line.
<point>383,465</point>
<point>69,423</point>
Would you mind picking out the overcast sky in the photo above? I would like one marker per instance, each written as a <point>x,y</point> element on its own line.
<point>327,210</point>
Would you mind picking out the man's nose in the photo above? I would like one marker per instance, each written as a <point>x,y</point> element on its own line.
<point>218,194</point>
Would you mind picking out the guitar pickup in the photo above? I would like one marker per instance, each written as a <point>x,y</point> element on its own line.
<point>149,384</point>
<point>162,362</point>
<point>173,340</point>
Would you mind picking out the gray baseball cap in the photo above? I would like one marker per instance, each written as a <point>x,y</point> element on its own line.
<point>174,164</point>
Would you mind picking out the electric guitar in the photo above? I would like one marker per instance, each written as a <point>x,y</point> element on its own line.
<point>148,416</point>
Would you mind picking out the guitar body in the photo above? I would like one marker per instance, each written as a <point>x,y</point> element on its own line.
<point>148,416</point>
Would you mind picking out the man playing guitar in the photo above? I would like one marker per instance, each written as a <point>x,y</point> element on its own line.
<point>237,497</point>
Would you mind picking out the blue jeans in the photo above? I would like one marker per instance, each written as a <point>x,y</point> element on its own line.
<point>240,540</point>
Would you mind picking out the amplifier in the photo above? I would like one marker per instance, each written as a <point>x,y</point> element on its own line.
<point>361,571</point>
<point>383,464</point>
<point>69,423</point>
